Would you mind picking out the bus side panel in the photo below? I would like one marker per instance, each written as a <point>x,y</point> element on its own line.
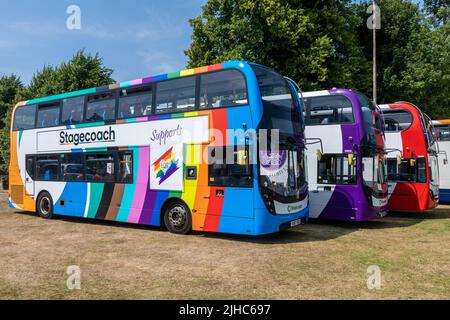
<point>408,196</point>
<point>444,195</point>
<point>444,171</point>
<point>19,199</point>
<point>72,201</point>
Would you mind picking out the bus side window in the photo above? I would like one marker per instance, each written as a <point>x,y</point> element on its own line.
<point>101,107</point>
<point>135,103</point>
<point>24,118</point>
<point>176,95</point>
<point>30,167</point>
<point>72,111</point>
<point>222,89</point>
<point>125,174</point>
<point>72,167</point>
<point>47,168</point>
<point>229,167</point>
<point>48,115</point>
<point>422,171</point>
<point>100,167</point>
<point>336,169</point>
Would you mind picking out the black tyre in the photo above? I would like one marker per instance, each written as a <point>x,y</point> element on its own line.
<point>44,205</point>
<point>177,218</point>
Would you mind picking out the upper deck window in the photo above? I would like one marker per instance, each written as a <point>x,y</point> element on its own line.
<point>48,115</point>
<point>135,103</point>
<point>325,110</point>
<point>72,111</point>
<point>397,120</point>
<point>442,132</point>
<point>222,89</point>
<point>24,118</point>
<point>177,95</point>
<point>101,107</point>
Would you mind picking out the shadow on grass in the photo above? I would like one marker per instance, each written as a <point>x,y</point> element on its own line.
<point>115,224</point>
<point>315,230</point>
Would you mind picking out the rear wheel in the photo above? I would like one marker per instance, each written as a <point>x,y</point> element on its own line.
<point>177,218</point>
<point>45,205</point>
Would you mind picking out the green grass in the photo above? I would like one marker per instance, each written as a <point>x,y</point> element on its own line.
<point>315,261</point>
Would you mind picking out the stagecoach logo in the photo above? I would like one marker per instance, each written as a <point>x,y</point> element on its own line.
<point>163,135</point>
<point>66,138</point>
<point>166,166</point>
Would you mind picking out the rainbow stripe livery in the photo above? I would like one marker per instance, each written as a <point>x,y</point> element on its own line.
<point>131,170</point>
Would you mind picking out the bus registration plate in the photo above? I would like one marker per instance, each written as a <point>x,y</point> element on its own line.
<point>296,223</point>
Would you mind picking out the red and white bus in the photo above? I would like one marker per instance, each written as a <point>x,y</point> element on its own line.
<point>412,163</point>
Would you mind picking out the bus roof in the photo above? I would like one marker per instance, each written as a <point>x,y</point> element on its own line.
<point>146,80</point>
<point>401,104</point>
<point>446,121</point>
<point>330,92</point>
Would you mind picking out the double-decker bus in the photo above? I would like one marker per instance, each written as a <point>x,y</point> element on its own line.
<point>181,150</point>
<point>442,134</point>
<point>413,173</point>
<point>345,156</point>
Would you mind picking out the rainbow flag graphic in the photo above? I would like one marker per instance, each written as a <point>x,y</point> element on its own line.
<point>166,165</point>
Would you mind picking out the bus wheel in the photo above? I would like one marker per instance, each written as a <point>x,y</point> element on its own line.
<point>177,218</point>
<point>45,205</point>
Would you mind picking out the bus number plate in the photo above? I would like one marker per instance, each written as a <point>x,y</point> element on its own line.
<point>296,223</point>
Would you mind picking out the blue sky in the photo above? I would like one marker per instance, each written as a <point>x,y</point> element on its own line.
<point>136,38</point>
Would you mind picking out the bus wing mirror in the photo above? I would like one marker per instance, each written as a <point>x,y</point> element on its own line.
<point>351,159</point>
<point>242,157</point>
<point>319,154</point>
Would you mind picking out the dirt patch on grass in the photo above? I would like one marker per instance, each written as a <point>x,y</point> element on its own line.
<point>320,260</point>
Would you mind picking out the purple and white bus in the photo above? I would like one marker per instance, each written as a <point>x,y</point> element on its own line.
<point>346,156</point>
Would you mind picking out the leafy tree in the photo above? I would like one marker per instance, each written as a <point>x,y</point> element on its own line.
<point>9,85</point>
<point>426,78</point>
<point>412,55</point>
<point>81,72</point>
<point>312,42</point>
<point>439,9</point>
<point>400,19</point>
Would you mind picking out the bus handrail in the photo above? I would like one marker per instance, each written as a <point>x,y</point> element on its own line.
<point>314,141</point>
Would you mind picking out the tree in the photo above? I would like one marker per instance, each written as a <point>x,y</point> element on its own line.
<point>81,72</point>
<point>412,55</point>
<point>313,43</point>
<point>9,86</point>
<point>438,9</point>
<point>426,78</point>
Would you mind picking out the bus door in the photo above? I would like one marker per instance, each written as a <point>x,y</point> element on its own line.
<point>29,174</point>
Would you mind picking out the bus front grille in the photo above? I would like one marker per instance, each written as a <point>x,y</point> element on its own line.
<point>17,194</point>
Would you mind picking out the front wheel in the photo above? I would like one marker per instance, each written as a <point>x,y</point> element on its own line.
<point>45,205</point>
<point>177,218</point>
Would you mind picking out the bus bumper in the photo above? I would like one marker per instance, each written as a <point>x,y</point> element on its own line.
<point>266,223</point>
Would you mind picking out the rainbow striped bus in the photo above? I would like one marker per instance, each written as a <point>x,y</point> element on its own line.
<point>182,151</point>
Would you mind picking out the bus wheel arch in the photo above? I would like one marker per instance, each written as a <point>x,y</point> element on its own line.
<point>176,216</point>
<point>44,205</point>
